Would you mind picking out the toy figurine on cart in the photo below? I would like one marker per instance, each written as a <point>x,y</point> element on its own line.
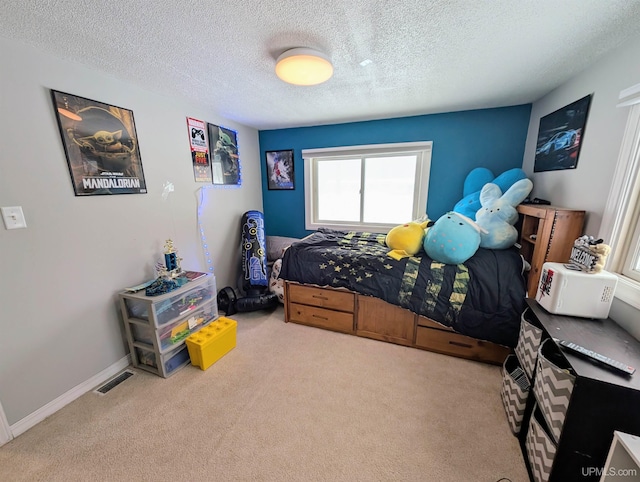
<point>171,268</point>
<point>169,274</point>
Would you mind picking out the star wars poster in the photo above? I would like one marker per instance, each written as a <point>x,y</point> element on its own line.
<point>225,162</point>
<point>101,146</point>
<point>280,169</point>
<point>199,150</point>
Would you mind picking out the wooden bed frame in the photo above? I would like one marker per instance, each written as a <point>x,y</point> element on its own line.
<point>348,312</point>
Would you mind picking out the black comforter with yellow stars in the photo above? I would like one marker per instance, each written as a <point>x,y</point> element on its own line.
<point>482,298</point>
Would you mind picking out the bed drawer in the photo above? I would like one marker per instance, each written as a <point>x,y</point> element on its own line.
<point>442,341</point>
<point>321,318</point>
<point>323,298</point>
<point>429,323</point>
<point>381,321</point>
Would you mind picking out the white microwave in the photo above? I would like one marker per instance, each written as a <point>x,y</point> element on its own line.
<point>563,290</point>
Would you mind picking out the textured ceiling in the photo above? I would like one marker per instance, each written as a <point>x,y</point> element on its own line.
<point>426,56</point>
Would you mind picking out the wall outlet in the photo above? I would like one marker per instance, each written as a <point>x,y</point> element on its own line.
<point>13,217</point>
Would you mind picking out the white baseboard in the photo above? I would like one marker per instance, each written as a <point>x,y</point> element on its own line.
<point>52,407</point>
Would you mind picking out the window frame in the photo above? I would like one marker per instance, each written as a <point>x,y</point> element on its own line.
<point>620,225</point>
<point>422,149</point>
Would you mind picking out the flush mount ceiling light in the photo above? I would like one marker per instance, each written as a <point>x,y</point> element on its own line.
<point>303,66</point>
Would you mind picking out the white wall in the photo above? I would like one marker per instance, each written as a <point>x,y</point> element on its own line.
<point>587,186</point>
<point>60,324</point>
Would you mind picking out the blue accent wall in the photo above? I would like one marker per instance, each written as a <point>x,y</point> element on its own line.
<point>491,138</point>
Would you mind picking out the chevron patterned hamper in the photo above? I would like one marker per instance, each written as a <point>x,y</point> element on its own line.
<point>540,448</point>
<point>515,389</point>
<point>528,343</point>
<point>553,387</point>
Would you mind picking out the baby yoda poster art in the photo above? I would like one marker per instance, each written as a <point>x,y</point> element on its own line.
<point>101,145</point>
<point>225,162</point>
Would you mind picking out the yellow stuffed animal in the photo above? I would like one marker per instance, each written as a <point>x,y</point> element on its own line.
<point>406,240</point>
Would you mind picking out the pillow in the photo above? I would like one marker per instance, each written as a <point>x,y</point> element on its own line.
<point>276,246</point>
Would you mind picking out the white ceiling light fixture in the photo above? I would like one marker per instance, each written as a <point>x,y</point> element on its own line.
<point>304,66</point>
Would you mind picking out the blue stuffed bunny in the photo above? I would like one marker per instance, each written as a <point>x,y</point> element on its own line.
<point>475,181</point>
<point>498,214</point>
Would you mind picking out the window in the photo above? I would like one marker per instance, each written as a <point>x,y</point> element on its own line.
<point>631,266</point>
<point>351,187</point>
<point>621,224</point>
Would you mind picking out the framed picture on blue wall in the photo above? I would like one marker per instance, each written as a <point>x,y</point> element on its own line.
<point>280,169</point>
<point>560,137</point>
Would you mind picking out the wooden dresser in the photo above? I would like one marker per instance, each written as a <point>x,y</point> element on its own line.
<point>348,312</point>
<point>547,233</point>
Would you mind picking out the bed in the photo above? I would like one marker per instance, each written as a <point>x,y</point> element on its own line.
<point>345,281</point>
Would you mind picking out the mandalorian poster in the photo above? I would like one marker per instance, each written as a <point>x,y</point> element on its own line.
<point>101,145</point>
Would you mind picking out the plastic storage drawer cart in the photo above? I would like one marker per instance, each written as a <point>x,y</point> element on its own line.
<point>211,343</point>
<point>157,326</point>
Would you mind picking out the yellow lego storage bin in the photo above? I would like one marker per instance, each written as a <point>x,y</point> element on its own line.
<point>212,342</point>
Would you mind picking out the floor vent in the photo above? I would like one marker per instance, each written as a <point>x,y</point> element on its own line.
<point>114,382</point>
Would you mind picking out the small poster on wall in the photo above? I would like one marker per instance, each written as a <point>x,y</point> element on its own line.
<point>560,137</point>
<point>280,170</point>
<point>199,150</point>
<point>225,162</point>
<point>101,146</point>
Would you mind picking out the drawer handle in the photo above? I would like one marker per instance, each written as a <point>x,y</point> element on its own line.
<point>463,345</point>
<point>320,297</point>
<point>320,317</point>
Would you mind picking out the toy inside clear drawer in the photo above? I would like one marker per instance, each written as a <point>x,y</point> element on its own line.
<point>167,336</point>
<point>170,307</point>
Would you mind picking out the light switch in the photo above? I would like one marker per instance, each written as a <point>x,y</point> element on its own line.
<point>13,217</point>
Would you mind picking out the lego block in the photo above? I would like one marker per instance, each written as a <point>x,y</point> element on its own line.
<point>212,342</point>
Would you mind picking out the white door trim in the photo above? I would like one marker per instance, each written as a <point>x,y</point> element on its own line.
<point>5,430</point>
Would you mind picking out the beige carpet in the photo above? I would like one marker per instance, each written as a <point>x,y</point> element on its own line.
<point>289,403</point>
